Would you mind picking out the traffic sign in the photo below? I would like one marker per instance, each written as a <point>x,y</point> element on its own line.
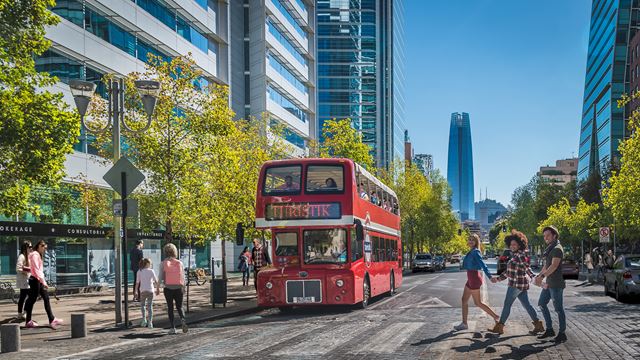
<point>113,177</point>
<point>132,208</point>
<point>604,234</point>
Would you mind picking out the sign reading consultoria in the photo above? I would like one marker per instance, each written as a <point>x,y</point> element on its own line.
<point>299,211</point>
<point>58,230</point>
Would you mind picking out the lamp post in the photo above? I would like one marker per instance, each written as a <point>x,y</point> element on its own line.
<point>82,92</point>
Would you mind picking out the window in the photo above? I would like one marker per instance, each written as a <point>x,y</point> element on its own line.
<point>356,247</point>
<point>287,244</point>
<point>284,41</point>
<point>283,101</point>
<point>282,180</point>
<point>325,179</point>
<point>286,73</point>
<point>633,263</point>
<point>326,246</point>
<point>290,18</point>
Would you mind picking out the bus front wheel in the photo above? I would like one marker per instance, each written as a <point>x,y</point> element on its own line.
<point>366,294</point>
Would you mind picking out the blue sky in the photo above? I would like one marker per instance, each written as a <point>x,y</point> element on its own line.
<point>517,68</point>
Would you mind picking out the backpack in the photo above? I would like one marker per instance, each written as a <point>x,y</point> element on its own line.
<point>173,273</point>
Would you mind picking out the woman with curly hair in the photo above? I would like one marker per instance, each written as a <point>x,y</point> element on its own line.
<point>517,271</point>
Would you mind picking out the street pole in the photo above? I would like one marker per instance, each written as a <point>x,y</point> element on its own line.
<point>123,177</point>
<point>114,112</point>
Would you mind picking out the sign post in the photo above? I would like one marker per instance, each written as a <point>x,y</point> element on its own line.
<point>604,234</point>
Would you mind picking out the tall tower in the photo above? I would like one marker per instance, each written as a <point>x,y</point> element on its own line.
<point>460,166</point>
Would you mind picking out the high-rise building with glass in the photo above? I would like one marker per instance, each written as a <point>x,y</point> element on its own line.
<point>613,23</point>
<point>460,166</point>
<point>360,71</point>
<point>424,162</point>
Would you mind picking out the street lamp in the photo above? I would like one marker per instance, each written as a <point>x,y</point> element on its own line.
<point>82,92</point>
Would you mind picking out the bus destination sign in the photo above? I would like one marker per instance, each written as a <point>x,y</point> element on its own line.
<point>299,211</point>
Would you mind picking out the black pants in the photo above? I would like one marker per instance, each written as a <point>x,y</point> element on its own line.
<point>170,296</point>
<point>135,278</point>
<point>255,277</point>
<point>35,289</point>
<point>23,297</point>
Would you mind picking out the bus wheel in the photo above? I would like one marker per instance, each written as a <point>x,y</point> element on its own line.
<point>392,284</point>
<point>366,294</point>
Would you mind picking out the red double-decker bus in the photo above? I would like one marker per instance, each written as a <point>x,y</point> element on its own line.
<point>335,234</point>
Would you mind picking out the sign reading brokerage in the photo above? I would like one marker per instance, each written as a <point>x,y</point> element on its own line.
<point>299,211</point>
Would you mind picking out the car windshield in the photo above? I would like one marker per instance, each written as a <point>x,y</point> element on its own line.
<point>423,257</point>
<point>326,246</point>
<point>633,263</point>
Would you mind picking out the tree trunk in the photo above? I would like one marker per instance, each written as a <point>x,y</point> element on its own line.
<point>223,253</point>
<point>168,234</point>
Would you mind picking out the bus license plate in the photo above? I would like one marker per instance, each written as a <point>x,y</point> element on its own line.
<point>304,300</point>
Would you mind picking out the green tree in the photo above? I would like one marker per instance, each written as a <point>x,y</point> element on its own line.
<point>36,128</point>
<point>340,139</point>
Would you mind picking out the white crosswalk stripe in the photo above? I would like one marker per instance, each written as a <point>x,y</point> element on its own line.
<point>388,340</point>
<point>430,302</point>
<point>326,340</point>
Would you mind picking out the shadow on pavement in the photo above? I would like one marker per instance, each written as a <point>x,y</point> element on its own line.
<point>132,336</point>
<point>484,344</point>
<point>524,351</point>
<point>11,320</point>
<point>436,339</point>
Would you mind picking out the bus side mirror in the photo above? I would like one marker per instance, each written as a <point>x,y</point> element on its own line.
<point>359,230</point>
<point>239,234</point>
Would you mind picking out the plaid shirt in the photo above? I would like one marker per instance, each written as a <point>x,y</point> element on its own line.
<point>260,257</point>
<point>517,271</point>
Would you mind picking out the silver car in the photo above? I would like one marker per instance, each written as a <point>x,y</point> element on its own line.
<point>423,262</point>
<point>623,278</point>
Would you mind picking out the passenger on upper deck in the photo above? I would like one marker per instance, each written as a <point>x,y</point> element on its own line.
<point>288,184</point>
<point>330,184</point>
<point>363,192</point>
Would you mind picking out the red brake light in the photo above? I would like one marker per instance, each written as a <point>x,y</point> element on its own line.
<point>626,276</point>
<point>503,258</point>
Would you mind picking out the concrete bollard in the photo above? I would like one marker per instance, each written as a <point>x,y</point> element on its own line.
<point>9,338</point>
<point>78,326</point>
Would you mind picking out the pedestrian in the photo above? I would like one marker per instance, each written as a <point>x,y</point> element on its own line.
<point>260,258</point>
<point>22,276</point>
<point>146,281</point>
<point>552,270</point>
<point>518,286</point>
<point>38,286</point>
<point>172,275</point>
<point>588,262</point>
<point>244,264</point>
<point>135,256</point>
<point>474,265</point>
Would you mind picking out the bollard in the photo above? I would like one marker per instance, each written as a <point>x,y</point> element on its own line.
<point>9,338</point>
<point>78,326</point>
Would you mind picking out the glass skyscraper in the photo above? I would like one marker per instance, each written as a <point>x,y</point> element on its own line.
<point>460,166</point>
<point>613,23</point>
<point>360,76</point>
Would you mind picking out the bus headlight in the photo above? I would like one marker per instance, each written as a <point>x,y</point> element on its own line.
<point>268,285</point>
<point>339,283</point>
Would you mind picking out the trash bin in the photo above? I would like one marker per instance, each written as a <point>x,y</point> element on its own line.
<point>219,292</point>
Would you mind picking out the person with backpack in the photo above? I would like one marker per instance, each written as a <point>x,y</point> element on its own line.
<point>172,276</point>
<point>244,265</point>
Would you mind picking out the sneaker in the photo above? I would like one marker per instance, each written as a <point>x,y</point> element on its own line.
<point>32,324</point>
<point>562,337</point>
<point>461,326</point>
<point>172,331</point>
<point>143,323</point>
<point>547,333</point>
<point>55,323</point>
<point>150,325</point>
<point>185,328</point>
<point>20,316</point>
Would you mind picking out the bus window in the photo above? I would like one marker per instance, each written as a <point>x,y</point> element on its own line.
<point>325,246</point>
<point>286,244</point>
<point>282,180</point>
<point>325,179</point>
<point>356,247</point>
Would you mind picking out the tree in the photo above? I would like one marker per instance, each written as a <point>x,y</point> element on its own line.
<point>575,224</point>
<point>340,139</point>
<point>36,128</point>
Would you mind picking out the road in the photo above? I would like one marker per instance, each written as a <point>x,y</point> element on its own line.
<point>415,324</point>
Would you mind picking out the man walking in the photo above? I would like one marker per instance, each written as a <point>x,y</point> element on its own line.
<point>260,258</point>
<point>555,285</point>
<point>134,257</point>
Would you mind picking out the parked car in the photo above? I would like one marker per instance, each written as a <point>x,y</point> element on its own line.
<point>462,261</point>
<point>440,263</point>
<point>623,278</point>
<point>502,261</point>
<point>570,269</point>
<point>455,258</point>
<point>424,262</point>
<point>536,262</point>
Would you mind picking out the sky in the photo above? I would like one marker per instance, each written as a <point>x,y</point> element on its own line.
<point>517,68</point>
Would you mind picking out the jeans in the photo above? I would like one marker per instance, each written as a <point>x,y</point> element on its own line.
<point>146,305</point>
<point>170,296</point>
<point>510,298</point>
<point>245,275</point>
<point>554,294</point>
<point>35,289</point>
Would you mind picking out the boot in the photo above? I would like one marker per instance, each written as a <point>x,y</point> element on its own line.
<point>497,329</point>
<point>538,327</point>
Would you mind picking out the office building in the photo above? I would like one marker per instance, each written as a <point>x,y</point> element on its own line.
<point>272,52</point>
<point>634,70</point>
<point>460,166</point>
<point>487,211</point>
<point>613,23</point>
<point>564,172</point>
<point>360,71</point>
<point>424,162</point>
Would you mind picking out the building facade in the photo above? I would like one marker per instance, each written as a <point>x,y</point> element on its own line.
<point>487,211</point>
<point>564,172</point>
<point>634,69</point>
<point>273,55</point>
<point>460,166</point>
<point>424,162</point>
<point>613,23</point>
<point>360,71</point>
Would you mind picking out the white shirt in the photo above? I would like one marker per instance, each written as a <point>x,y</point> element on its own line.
<point>146,278</point>
<point>22,278</point>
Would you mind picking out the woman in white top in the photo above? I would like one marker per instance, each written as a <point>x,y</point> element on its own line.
<point>146,280</point>
<point>22,276</point>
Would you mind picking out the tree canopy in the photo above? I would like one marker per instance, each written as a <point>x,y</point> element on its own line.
<point>340,139</point>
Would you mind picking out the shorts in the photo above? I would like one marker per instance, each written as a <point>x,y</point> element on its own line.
<point>474,279</point>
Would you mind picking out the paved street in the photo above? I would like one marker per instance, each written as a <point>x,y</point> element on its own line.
<point>416,323</point>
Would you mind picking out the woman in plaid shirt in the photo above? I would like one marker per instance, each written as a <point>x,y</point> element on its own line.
<point>517,271</point>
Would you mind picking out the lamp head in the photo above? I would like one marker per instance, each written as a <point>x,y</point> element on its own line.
<point>149,91</point>
<point>82,92</point>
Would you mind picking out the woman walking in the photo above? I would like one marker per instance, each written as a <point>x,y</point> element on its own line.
<point>38,286</point>
<point>474,265</point>
<point>22,276</point>
<point>517,272</point>
<point>172,275</point>
<point>245,263</point>
<point>146,281</point>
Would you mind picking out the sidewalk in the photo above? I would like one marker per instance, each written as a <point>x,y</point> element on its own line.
<point>100,310</point>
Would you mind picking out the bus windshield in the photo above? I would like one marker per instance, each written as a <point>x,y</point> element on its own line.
<point>283,180</point>
<point>325,246</point>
